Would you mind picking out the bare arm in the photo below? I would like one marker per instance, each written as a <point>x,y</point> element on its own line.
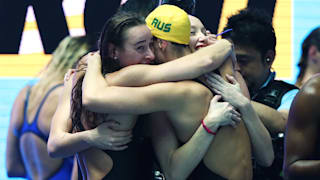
<point>62,143</point>
<point>188,67</point>
<point>99,96</point>
<point>302,134</point>
<point>14,163</point>
<point>177,162</point>
<point>173,159</point>
<point>259,135</point>
<point>275,121</point>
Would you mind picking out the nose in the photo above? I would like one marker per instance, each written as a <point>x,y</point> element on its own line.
<point>149,57</point>
<point>201,37</point>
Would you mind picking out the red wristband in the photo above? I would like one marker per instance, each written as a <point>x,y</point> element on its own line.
<point>207,129</point>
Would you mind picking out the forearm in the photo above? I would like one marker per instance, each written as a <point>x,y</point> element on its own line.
<point>61,142</point>
<point>273,120</point>
<point>67,144</point>
<point>303,169</point>
<point>15,170</point>
<point>259,136</point>
<point>188,67</point>
<point>14,164</point>
<point>185,159</point>
<point>93,84</point>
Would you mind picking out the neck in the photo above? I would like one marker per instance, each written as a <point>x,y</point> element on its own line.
<point>257,87</point>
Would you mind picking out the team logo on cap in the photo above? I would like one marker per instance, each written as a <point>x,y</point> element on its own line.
<point>161,25</point>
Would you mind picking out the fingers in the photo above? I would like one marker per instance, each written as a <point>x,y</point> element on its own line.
<point>218,83</point>
<point>217,77</point>
<point>214,77</point>
<point>233,111</point>
<point>218,92</point>
<point>214,83</point>
<point>116,141</point>
<point>215,98</point>
<point>113,133</point>
<point>122,133</point>
<point>233,124</point>
<point>113,148</point>
<point>208,33</point>
<point>96,54</point>
<point>68,74</point>
<point>211,36</point>
<point>231,79</point>
<point>236,118</point>
<point>94,57</point>
<point>120,141</point>
<point>116,144</point>
<point>119,148</point>
<point>109,121</point>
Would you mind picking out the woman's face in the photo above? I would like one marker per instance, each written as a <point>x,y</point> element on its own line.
<point>198,31</point>
<point>137,47</point>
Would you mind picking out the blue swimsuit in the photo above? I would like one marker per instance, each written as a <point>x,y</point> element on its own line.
<point>64,172</point>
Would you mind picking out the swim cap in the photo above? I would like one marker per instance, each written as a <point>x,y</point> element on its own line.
<point>169,22</point>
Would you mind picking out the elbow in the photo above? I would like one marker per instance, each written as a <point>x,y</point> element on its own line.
<point>267,160</point>
<point>53,148</point>
<point>265,157</point>
<point>91,103</point>
<point>269,157</point>
<point>88,100</point>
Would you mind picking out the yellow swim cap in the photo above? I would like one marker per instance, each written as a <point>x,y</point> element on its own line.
<point>170,23</point>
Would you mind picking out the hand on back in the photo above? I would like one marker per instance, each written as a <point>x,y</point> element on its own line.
<point>230,91</point>
<point>221,114</point>
<point>105,137</point>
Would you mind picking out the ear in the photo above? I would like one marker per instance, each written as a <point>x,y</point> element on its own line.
<point>269,57</point>
<point>112,51</point>
<point>312,51</point>
<point>162,44</point>
<point>313,55</point>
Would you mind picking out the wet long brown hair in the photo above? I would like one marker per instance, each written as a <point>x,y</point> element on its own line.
<point>113,32</point>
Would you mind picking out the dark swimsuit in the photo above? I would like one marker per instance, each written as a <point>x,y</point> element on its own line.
<point>202,172</point>
<point>64,172</point>
<point>135,162</point>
